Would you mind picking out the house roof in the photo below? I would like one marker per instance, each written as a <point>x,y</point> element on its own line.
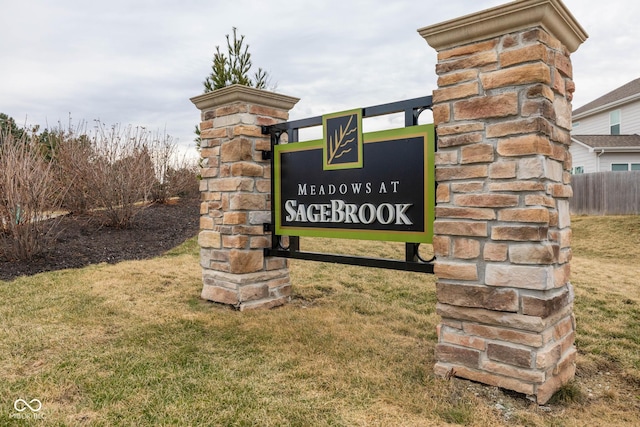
<point>630,89</point>
<point>609,141</point>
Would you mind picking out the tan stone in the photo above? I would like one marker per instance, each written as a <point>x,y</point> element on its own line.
<point>465,213</point>
<point>546,390</point>
<point>209,239</point>
<point>495,252</point>
<point>245,261</point>
<point>524,146</point>
<point>492,317</point>
<point>461,172</point>
<point>503,105</point>
<point>486,200</point>
<point>259,242</point>
<point>530,53</point>
<point>453,336</point>
<point>539,200</point>
<point>456,354</point>
<point>455,270</point>
<point>248,201</point>
<point>476,153</point>
<point>263,304</point>
<point>472,61</point>
<point>560,190</point>
<point>460,228</point>
<point>246,169</point>
<point>535,214</point>
<point>524,387</point>
<point>441,114</point>
<point>509,354</point>
<point>540,91</point>
<point>478,296</point>
<point>562,275</point>
<point>521,233</point>
<point>233,218</point>
<point>456,140</point>
<point>444,158</point>
<point>519,126</point>
<point>506,334</point>
<point>531,167</point>
<point>253,292</point>
<point>235,150</point>
<point>235,241</point>
<point>468,49</point>
<point>532,254</point>
<point>518,276</point>
<point>457,77</point>
<point>213,133</point>
<point>502,170</point>
<point>545,305</point>
<point>441,245</point>
<point>517,75</point>
<point>443,193</point>
<point>467,187</point>
<point>261,110</point>
<point>206,223</point>
<point>528,375</point>
<point>563,64</point>
<point>219,294</point>
<point>466,248</point>
<point>463,90</point>
<point>457,128</point>
<point>516,186</point>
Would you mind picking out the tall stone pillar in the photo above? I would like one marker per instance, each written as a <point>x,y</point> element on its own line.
<point>502,228</point>
<point>236,198</point>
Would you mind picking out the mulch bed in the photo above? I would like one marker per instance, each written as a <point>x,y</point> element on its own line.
<point>81,240</point>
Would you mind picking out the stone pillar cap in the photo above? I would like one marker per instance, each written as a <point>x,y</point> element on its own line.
<point>241,93</point>
<point>552,15</point>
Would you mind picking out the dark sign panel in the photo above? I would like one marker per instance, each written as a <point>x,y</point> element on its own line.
<point>376,186</point>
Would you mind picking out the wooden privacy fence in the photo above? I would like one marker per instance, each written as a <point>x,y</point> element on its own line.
<point>606,193</point>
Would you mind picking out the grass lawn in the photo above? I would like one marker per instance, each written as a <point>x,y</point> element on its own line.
<point>133,344</point>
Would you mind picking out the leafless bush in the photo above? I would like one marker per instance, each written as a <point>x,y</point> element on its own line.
<point>29,195</point>
<point>175,175</point>
<point>119,173</point>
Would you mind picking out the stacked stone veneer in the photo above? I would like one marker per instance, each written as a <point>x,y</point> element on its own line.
<point>236,198</point>
<point>502,229</point>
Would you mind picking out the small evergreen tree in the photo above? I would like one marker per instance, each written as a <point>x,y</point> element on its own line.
<point>234,68</point>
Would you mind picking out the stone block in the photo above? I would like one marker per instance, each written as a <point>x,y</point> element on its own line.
<point>248,201</point>
<point>521,233</point>
<point>525,145</point>
<point>478,297</point>
<point>491,317</point>
<point>235,241</point>
<point>472,61</point>
<point>516,186</point>
<point>462,90</point>
<point>486,200</point>
<point>457,128</point>
<point>519,126</point>
<point>465,213</point>
<point>253,292</point>
<point>529,375</point>
<point>443,193</point>
<point>545,305</point>
<point>262,110</point>
<point>532,254</point>
<point>236,150</point>
<point>219,294</point>
<point>519,276</point>
<point>234,218</point>
<point>460,228</point>
<point>485,107</point>
<point>539,200</point>
<point>455,270</point>
<point>517,76</point>
<point>476,153</point>
<point>506,334</point>
<point>245,261</point>
<point>461,172</point>
<point>441,114</point>
<point>530,53</point>
<point>446,158</point>
<point>455,354</point>
<point>467,49</point>
<point>517,385</point>
<point>495,251</point>
<point>441,245</point>
<point>263,304</point>
<point>246,169</point>
<point>531,167</point>
<point>509,354</point>
<point>209,239</point>
<point>502,170</point>
<point>453,336</point>
<point>534,214</point>
<point>457,77</point>
<point>466,248</point>
<point>467,187</point>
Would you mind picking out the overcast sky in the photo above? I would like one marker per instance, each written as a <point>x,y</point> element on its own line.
<point>139,61</point>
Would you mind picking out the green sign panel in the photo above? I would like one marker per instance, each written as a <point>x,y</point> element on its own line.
<point>372,186</point>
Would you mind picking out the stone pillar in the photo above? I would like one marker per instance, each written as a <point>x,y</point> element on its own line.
<point>502,228</point>
<point>236,198</point>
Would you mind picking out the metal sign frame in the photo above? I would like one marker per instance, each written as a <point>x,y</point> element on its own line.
<point>412,108</point>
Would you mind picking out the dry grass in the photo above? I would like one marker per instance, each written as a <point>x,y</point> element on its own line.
<point>132,344</point>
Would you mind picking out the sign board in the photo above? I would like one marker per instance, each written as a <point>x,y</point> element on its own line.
<point>371,186</point>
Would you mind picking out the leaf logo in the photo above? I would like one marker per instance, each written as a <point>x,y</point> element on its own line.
<point>343,140</point>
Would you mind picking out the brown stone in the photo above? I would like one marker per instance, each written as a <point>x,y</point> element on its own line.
<point>507,354</point>
<point>465,213</point>
<point>235,150</point>
<point>502,170</point>
<point>246,169</point>
<point>530,53</point>
<point>517,75</point>
<point>459,128</point>
<point>495,252</point>
<point>248,201</point>
<point>458,77</point>
<point>209,239</point>
<point>519,233</point>
<point>472,61</point>
<point>491,317</point>
<point>444,158</point>
<point>235,241</point>
<point>560,190</point>
<point>234,218</point>
<point>528,375</point>
<point>253,292</point>
<point>455,354</point>
<point>463,90</point>
<point>459,139</point>
<point>544,307</point>
<point>219,294</point>
<point>486,200</point>
<point>536,215</point>
<point>503,105</point>
<point>532,254</point>
<point>516,186</point>
<point>443,193</point>
<point>506,334</point>
<point>468,49</point>
<point>519,126</point>
<point>539,200</point>
<point>452,336</point>
<point>245,261</point>
<point>461,172</point>
<point>478,297</point>
<point>441,245</point>
<point>517,385</point>
<point>455,270</point>
<point>524,146</point>
<point>519,276</point>
<point>460,228</point>
<point>467,187</point>
<point>441,114</point>
<point>466,248</point>
<point>260,110</point>
<point>540,91</point>
<point>477,153</point>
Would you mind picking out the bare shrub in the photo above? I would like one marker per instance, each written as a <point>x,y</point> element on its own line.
<point>175,176</point>
<point>29,195</point>
<point>119,174</point>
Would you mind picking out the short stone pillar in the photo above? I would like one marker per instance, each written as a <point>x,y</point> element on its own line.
<point>502,228</point>
<point>236,198</point>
